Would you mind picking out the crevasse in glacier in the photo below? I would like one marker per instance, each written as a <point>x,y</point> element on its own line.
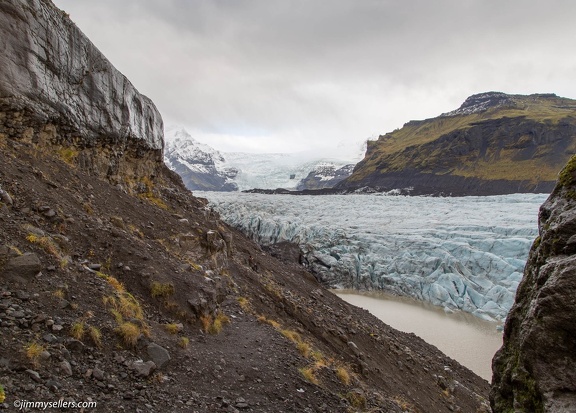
<point>460,253</point>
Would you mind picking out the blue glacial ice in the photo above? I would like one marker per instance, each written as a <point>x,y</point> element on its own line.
<point>459,253</point>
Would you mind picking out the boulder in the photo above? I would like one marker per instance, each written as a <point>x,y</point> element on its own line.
<point>143,368</point>
<point>158,354</point>
<point>21,268</point>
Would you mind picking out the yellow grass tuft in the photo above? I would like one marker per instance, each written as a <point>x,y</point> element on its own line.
<point>244,303</point>
<point>46,243</point>
<point>77,330</point>
<point>343,375</point>
<point>309,374</point>
<point>129,332</point>
<point>206,321</point>
<point>291,335</point>
<point>356,399</point>
<point>304,348</point>
<point>161,289</point>
<point>33,351</point>
<point>183,342</point>
<point>68,155</point>
<point>172,328</point>
<point>218,323</point>
<point>263,319</point>
<point>96,336</point>
<point>59,293</point>
<point>117,285</point>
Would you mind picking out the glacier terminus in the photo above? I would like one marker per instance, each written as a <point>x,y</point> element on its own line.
<point>463,253</point>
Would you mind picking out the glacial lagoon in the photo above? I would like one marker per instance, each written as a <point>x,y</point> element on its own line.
<point>467,339</point>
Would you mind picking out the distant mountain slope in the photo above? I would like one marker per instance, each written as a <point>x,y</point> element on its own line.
<point>204,168</point>
<point>201,167</point>
<point>493,144</point>
<point>325,175</point>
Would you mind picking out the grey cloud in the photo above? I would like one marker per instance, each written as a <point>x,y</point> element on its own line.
<point>289,70</point>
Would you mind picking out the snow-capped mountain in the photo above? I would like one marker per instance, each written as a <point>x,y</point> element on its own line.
<point>200,166</point>
<point>205,168</point>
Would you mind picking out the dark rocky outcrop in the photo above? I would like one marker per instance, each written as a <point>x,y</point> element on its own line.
<point>325,175</point>
<point>57,89</point>
<point>493,144</point>
<point>535,370</point>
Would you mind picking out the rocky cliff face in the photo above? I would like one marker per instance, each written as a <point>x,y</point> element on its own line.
<point>535,370</point>
<point>57,88</point>
<point>493,144</point>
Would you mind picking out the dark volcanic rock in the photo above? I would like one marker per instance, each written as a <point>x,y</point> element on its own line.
<point>535,370</point>
<point>21,268</point>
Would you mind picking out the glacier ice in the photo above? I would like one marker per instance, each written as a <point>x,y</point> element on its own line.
<point>463,253</point>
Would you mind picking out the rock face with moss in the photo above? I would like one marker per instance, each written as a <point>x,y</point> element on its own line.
<point>493,144</point>
<point>57,89</point>
<point>535,370</point>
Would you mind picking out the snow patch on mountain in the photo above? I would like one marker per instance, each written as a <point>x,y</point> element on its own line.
<point>205,168</point>
<point>200,166</point>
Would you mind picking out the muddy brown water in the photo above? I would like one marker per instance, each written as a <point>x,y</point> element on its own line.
<point>465,338</point>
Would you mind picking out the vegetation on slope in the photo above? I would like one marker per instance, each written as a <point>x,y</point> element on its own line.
<point>491,137</point>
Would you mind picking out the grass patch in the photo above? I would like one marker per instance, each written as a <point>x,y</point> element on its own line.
<point>343,375</point>
<point>219,321</point>
<point>33,351</point>
<point>129,332</point>
<point>172,328</point>
<point>304,348</point>
<point>154,200</point>
<point>183,342</point>
<point>356,399</point>
<point>136,231</point>
<point>46,243</point>
<point>309,374</point>
<point>291,335</point>
<point>244,303</point>
<point>68,155</point>
<point>161,289</point>
<point>77,330</point>
<point>96,336</point>
<point>59,293</point>
<point>88,208</point>
<point>263,319</point>
<point>117,285</point>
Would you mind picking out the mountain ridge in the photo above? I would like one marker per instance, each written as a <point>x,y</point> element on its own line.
<point>203,168</point>
<point>493,144</point>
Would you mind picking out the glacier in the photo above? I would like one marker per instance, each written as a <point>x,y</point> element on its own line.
<point>464,253</point>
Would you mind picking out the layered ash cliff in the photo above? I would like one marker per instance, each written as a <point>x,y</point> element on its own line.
<point>58,88</point>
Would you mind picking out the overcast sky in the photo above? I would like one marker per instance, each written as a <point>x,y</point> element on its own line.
<point>292,75</point>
